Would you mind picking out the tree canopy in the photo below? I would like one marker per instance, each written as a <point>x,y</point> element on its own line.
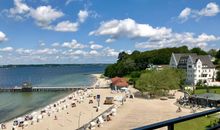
<point>138,61</point>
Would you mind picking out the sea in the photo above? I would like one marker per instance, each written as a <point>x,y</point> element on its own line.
<point>13,105</point>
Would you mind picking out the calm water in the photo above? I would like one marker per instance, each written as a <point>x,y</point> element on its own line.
<point>15,104</point>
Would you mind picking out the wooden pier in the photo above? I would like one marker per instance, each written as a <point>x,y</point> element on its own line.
<point>44,89</point>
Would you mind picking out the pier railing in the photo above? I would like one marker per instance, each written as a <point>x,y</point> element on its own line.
<point>39,89</point>
<point>170,123</point>
<point>50,88</point>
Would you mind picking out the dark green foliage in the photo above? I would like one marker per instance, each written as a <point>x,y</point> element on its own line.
<point>212,52</point>
<point>122,56</point>
<point>160,82</point>
<point>135,74</point>
<point>138,61</point>
<point>218,76</point>
<point>198,51</point>
<point>218,54</point>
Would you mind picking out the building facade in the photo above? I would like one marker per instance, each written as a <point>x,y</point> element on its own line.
<point>199,68</point>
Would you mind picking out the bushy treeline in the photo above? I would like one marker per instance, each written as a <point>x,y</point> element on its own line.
<point>160,82</point>
<point>138,61</point>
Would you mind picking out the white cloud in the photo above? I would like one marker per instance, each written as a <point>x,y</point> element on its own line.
<point>82,15</point>
<point>152,37</point>
<point>6,49</point>
<point>211,9</point>
<point>73,44</point>
<point>78,52</point>
<point>129,28</point>
<point>44,15</point>
<point>56,44</point>
<point>2,37</point>
<point>178,39</point>
<point>20,8</point>
<point>42,44</point>
<point>96,46</point>
<point>185,14</point>
<point>23,51</point>
<point>45,51</point>
<point>109,40</point>
<point>94,53</point>
<point>110,52</point>
<point>66,26</point>
<point>68,2</point>
<point>91,42</point>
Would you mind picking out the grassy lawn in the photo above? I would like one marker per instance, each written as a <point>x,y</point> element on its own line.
<point>196,124</point>
<point>202,122</point>
<point>211,90</point>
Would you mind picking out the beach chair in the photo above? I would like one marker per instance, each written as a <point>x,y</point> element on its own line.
<point>92,125</point>
<point>73,104</point>
<point>90,101</point>
<point>109,101</point>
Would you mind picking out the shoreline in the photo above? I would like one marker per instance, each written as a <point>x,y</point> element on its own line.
<point>10,121</point>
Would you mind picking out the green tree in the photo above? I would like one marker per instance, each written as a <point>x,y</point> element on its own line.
<point>160,82</point>
<point>198,51</point>
<point>138,61</point>
<point>218,54</point>
<point>212,52</point>
<point>218,76</point>
<point>122,56</point>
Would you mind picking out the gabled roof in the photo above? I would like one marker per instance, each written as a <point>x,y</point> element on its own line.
<point>177,56</point>
<point>120,82</point>
<point>205,59</point>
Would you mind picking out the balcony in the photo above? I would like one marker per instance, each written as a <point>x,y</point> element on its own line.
<point>170,123</point>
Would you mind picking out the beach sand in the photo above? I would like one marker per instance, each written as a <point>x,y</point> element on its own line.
<point>133,113</point>
<point>140,112</point>
<point>70,121</point>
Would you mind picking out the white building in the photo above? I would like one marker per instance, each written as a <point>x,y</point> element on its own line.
<point>198,67</point>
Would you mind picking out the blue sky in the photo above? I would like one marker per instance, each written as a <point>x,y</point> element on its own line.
<point>95,31</point>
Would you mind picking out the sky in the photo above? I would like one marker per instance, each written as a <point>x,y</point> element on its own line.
<point>95,31</point>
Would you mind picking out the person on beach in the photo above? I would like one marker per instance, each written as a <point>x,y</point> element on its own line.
<point>178,109</point>
<point>3,126</point>
<point>55,117</point>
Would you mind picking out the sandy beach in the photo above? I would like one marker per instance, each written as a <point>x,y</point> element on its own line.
<point>72,118</point>
<point>133,113</point>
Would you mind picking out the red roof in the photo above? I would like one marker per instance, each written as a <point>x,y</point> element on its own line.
<point>120,82</point>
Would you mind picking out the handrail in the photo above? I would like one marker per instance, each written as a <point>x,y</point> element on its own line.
<point>170,123</point>
<point>94,119</point>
